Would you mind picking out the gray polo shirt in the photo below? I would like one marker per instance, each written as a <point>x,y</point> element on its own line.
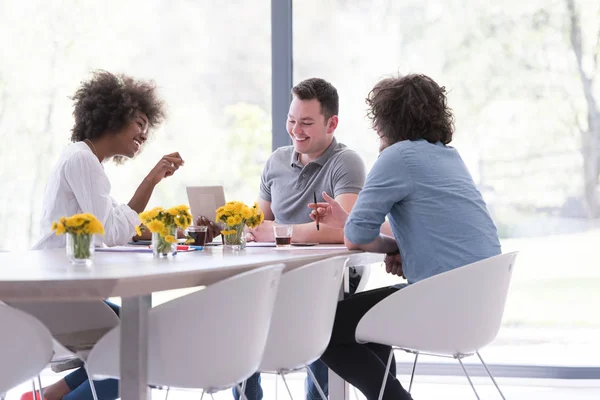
<point>289,185</point>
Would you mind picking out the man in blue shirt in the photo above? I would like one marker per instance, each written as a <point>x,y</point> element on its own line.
<point>437,216</point>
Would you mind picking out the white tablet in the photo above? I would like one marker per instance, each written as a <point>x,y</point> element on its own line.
<point>204,200</point>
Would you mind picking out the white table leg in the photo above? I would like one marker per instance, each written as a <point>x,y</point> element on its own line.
<point>134,347</point>
<point>338,388</point>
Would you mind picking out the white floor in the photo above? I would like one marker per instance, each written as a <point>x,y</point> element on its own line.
<point>447,388</point>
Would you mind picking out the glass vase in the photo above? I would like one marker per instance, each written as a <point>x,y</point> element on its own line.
<point>165,245</point>
<point>235,240</point>
<point>80,248</point>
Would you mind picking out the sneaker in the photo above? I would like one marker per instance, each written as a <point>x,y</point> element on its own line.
<point>29,396</point>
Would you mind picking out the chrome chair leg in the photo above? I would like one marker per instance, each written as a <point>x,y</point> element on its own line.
<point>490,375</point>
<point>35,397</point>
<point>39,378</point>
<point>468,377</point>
<point>242,390</point>
<point>412,376</point>
<point>286,386</point>
<point>92,387</point>
<point>312,376</point>
<point>387,371</point>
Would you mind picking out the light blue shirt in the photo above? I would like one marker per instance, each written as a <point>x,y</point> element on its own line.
<point>437,215</point>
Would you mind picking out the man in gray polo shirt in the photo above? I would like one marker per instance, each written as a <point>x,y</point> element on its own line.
<point>315,163</point>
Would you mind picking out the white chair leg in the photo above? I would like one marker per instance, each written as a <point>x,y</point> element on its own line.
<point>212,397</point>
<point>412,375</point>
<point>286,386</point>
<point>387,371</point>
<point>39,378</point>
<point>202,395</point>
<point>312,376</point>
<point>167,393</point>
<point>490,375</point>
<point>242,390</point>
<point>468,377</point>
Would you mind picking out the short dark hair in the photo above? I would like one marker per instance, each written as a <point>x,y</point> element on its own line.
<point>411,107</point>
<point>320,89</point>
<point>106,102</point>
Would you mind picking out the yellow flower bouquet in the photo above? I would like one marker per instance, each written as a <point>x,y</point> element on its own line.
<point>163,224</point>
<point>80,230</point>
<point>235,215</point>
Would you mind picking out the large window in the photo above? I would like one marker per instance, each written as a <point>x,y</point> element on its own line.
<point>210,60</point>
<point>522,80</point>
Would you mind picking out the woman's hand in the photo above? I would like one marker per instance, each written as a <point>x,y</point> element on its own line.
<point>213,229</point>
<point>165,167</point>
<point>330,213</point>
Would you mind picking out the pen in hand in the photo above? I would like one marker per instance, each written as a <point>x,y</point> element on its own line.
<point>316,212</point>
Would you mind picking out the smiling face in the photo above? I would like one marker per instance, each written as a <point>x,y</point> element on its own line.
<point>132,136</point>
<point>311,133</point>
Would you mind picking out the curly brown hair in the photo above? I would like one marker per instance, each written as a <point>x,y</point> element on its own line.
<point>106,102</point>
<point>410,107</point>
<point>320,89</point>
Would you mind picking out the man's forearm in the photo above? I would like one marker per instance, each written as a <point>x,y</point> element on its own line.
<point>308,233</point>
<point>381,244</point>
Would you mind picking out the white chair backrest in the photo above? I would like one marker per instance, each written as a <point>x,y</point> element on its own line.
<point>208,339</point>
<point>456,312</point>
<point>25,347</point>
<point>362,262</point>
<point>62,317</point>
<point>303,315</point>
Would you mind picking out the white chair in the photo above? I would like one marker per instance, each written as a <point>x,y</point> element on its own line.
<point>25,345</point>
<point>75,328</point>
<point>208,339</point>
<point>361,263</point>
<point>303,318</point>
<point>453,314</point>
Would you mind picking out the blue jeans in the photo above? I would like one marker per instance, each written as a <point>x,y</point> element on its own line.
<point>319,369</point>
<point>79,384</point>
<point>77,381</point>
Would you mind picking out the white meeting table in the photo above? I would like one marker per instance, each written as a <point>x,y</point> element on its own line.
<point>47,275</point>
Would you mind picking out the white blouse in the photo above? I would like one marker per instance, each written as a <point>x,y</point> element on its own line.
<point>78,184</point>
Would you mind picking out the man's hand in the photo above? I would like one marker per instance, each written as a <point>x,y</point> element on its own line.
<point>393,265</point>
<point>213,229</point>
<point>165,167</point>
<point>262,233</point>
<point>330,213</point>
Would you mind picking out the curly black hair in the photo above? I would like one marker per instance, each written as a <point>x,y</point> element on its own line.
<point>411,107</point>
<point>106,102</point>
<point>320,89</point>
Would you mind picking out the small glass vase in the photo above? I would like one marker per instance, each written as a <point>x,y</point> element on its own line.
<point>162,247</point>
<point>235,241</point>
<point>80,248</point>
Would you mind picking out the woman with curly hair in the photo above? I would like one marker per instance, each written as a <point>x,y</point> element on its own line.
<point>113,117</point>
<point>437,216</point>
